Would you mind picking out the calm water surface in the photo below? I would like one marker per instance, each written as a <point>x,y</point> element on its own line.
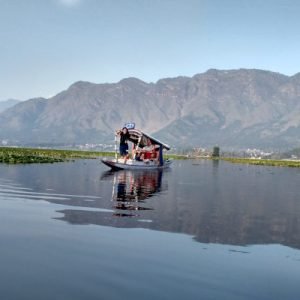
<point>201,230</point>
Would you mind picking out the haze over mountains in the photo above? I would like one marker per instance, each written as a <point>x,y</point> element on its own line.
<point>7,104</point>
<point>233,109</point>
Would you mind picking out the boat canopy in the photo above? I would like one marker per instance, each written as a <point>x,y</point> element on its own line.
<point>141,138</point>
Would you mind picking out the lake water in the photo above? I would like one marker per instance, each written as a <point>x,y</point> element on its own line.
<point>200,230</point>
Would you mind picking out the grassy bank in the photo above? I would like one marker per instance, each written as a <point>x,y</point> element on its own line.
<point>264,162</point>
<point>176,156</point>
<point>12,155</point>
<point>32,155</point>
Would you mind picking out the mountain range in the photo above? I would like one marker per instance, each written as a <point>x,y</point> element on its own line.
<point>234,109</point>
<point>7,104</point>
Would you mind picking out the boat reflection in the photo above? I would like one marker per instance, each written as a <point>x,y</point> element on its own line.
<point>132,188</point>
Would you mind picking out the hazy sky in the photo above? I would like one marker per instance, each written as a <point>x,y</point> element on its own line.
<point>46,45</point>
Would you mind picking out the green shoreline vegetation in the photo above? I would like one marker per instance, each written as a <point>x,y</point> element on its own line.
<point>11,155</point>
<point>14,155</point>
<point>263,162</point>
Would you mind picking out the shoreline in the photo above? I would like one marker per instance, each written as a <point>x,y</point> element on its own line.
<point>14,155</point>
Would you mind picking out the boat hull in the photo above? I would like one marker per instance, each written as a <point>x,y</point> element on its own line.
<point>130,164</point>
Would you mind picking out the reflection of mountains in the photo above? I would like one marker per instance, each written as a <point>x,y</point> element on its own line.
<point>215,203</point>
<point>232,217</point>
<point>206,228</point>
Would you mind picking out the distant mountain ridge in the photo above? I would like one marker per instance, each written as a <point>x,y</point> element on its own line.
<point>232,108</point>
<point>7,104</point>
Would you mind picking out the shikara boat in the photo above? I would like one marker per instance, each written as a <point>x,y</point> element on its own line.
<point>141,157</point>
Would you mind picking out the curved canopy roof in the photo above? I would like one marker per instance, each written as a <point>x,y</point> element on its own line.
<point>137,136</point>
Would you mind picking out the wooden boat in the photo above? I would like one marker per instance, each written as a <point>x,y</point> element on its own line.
<point>141,157</point>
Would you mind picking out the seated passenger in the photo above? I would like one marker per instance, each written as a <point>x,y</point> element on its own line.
<point>137,153</point>
<point>139,156</point>
<point>148,150</point>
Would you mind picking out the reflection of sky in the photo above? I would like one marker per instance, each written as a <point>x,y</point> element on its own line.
<point>117,259</point>
<point>46,258</point>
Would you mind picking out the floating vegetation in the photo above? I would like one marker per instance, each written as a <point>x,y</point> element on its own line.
<point>176,156</point>
<point>265,162</point>
<point>13,155</point>
<point>31,155</point>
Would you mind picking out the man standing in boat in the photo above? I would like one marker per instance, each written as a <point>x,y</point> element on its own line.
<point>124,136</point>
